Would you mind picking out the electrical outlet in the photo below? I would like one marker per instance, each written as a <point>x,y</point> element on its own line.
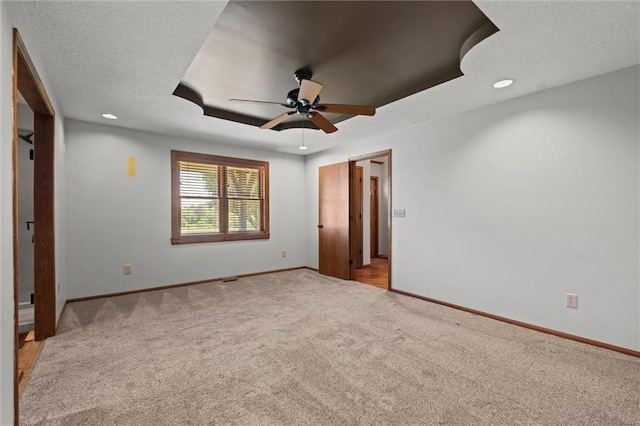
<point>572,300</point>
<point>127,269</point>
<point>284,253</point>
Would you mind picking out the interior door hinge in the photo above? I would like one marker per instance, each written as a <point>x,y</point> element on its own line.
<point>350,261</point>
<point>30,154</point>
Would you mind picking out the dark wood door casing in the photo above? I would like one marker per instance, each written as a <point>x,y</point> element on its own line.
<point>43,234</point>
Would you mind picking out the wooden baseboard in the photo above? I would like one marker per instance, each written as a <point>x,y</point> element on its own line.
<point>383,256</point>
<point>169,286</point>
<point>545,330</point>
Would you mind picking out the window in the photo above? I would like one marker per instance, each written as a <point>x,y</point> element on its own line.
<point>218,198</point>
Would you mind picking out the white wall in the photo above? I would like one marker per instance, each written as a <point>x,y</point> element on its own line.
<point>12,15</point>
<point>114,219</point>
<point>6,230</point>
<point>518,204</point>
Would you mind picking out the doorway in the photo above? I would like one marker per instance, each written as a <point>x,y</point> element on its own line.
<point>27,346</point>
<point>28,84</point>
<point>25,229</point>
<point>374,227</point>
<point>375,201</point>
<point>359,220</point>
<point>345,219</point>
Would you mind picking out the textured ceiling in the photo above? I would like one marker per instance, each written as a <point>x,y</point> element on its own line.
<point>128,57</point>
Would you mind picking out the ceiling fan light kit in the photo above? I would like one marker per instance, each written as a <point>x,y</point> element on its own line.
<point>305,100</point>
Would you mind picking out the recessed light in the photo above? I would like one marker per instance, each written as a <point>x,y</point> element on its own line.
<point>303,147</point>
<point>503,83</point>
<point>110,116</point>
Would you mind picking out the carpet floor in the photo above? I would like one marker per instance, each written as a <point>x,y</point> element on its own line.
<point>299,348</point>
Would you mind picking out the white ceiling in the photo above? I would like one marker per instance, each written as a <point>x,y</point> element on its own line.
<point>127,58</point>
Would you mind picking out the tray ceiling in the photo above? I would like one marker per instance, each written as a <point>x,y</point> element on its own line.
<point>363,52</point>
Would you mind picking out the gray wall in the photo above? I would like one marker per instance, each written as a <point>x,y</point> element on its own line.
<point>115,219</point>
<point>511,206</point>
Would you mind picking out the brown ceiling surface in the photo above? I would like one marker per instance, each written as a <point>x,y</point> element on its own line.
<point>363,52</point>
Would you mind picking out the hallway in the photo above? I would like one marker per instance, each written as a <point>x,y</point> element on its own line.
<point>377,274</point>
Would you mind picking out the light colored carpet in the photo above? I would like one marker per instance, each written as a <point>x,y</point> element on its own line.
<point>301,348</point>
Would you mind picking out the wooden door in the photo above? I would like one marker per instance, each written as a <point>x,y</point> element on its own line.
<point>334,221</point>
<point>359,227</point>
<point>374,216</point>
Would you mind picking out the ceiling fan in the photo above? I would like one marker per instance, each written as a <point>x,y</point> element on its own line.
<point>305,101</point>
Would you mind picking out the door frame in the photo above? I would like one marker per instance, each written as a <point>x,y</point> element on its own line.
<point>27,81</point>
<point>353,242</point>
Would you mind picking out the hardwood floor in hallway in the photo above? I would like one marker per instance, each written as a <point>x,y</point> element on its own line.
<point>27,356</point>
<point>376,275</point>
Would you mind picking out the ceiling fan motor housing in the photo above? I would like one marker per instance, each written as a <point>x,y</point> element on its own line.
<point>302,74</point>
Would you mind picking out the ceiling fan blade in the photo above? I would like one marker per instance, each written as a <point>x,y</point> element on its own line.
<point>279,119</point>
<point>346,109</point>
<point>322,122</point>
<point>309,91</point>
<point>260,102</point>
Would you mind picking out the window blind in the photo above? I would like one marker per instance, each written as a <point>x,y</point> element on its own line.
<point>218,197</point>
